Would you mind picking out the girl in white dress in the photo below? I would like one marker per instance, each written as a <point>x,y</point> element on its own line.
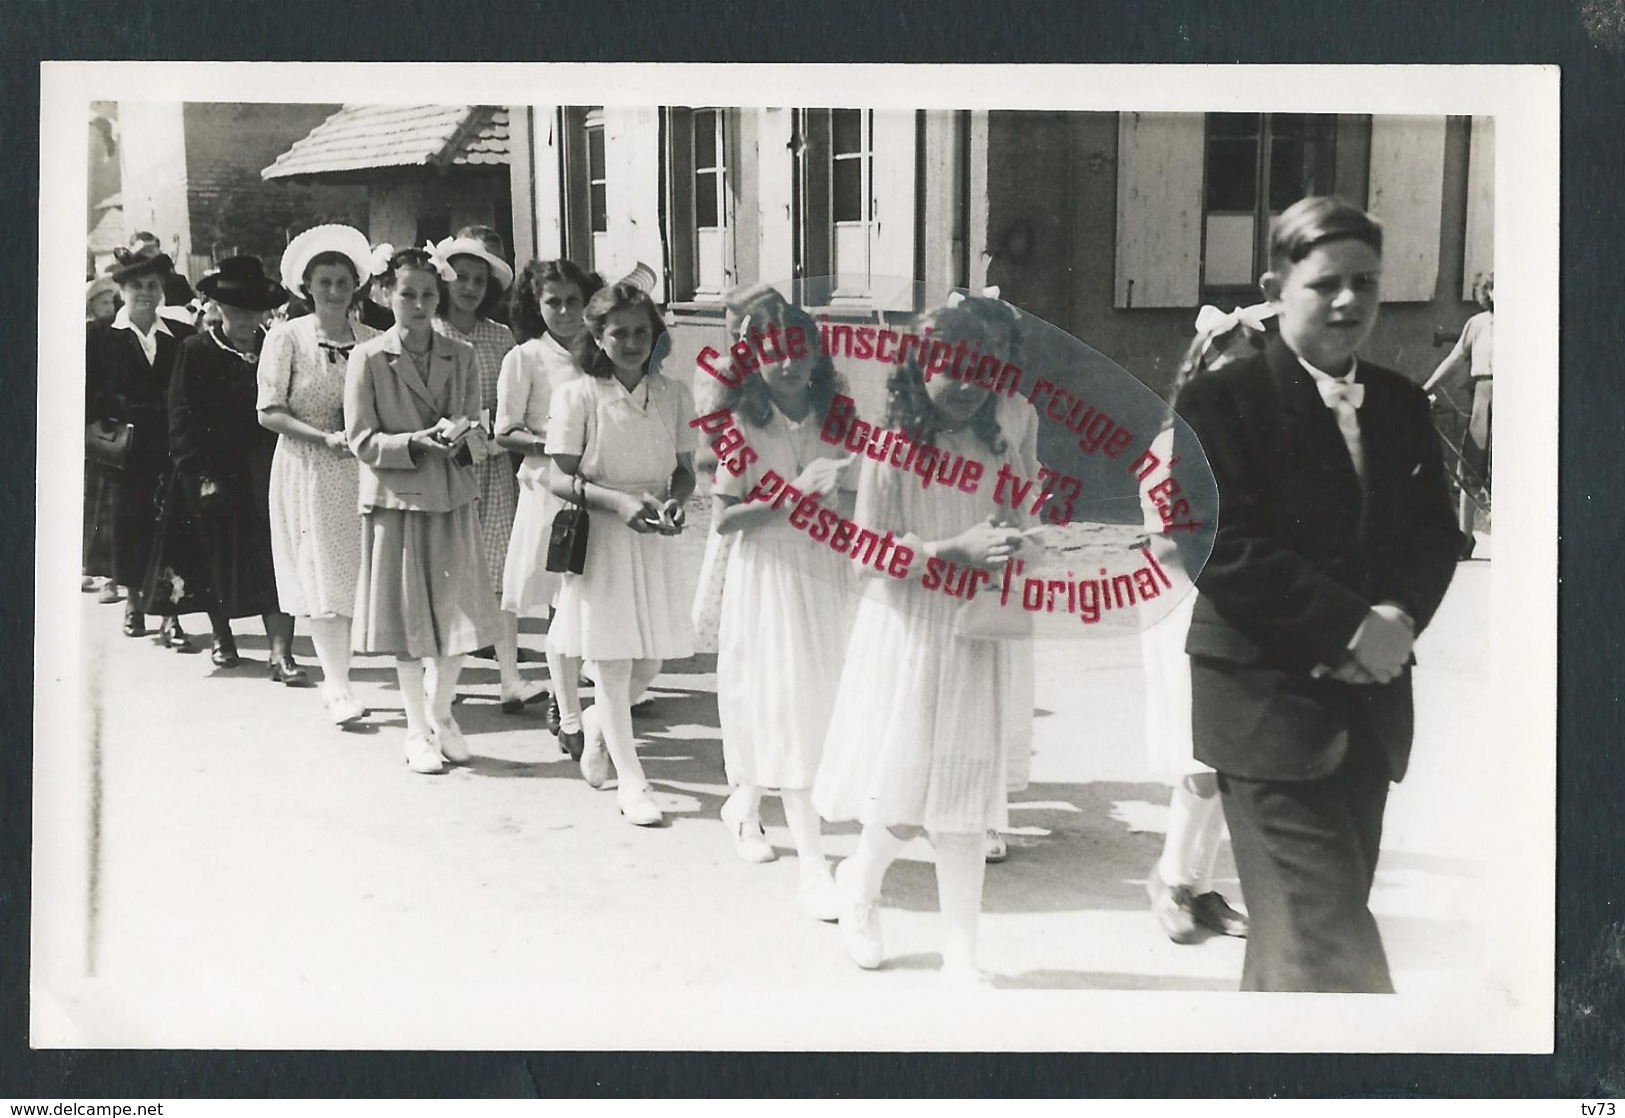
<point>1018,423</point>
<point>786,604</point>
<point>315,479</point>
<point>1180,884</point>
<point>547,304</point>
<point>465,309</point>
<point>621,444</point>
<point>920,736</point>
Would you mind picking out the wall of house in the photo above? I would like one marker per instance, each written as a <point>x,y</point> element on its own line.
<point>401,210</point>
<point>1052,189</point>
<point>1037,216</point>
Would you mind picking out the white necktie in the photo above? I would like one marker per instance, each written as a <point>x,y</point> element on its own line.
<point>1345,398</point>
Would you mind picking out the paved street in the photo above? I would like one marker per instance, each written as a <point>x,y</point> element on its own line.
<point>253,857</point>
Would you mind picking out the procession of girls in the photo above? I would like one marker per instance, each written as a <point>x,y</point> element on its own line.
<point>361,482</point>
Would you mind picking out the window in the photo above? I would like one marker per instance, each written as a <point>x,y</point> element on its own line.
<point>597,186</point>
<point>697,156</point>
<point>583,186</point>
<point>1256,165</point>
<point>708,133</point>
<point>854,206</point>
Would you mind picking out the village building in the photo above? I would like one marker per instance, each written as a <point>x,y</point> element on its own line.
<point>1115,227</point>
<point>425,170</point>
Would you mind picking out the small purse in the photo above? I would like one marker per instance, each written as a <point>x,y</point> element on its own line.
<point>108,442</point>
<point>567,543</point>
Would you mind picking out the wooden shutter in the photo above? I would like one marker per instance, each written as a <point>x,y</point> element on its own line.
<point>1407,195</point>
<point>538,221</point>
<point>1159,210</point>
<point>775,171</point>
<point>892,189</point>
<point>632,193</point>
<point>1478,251</point>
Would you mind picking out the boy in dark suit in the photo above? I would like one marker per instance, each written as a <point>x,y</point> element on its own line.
<point>1335,544</point>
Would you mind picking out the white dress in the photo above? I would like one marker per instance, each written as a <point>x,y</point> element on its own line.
<point>530,374</point>
<point>921,731</point>
<point>1170,751</point>
<point>315,528</point>
<point>628,603</point>
<point>1018,423</point>
<point>787,604</point>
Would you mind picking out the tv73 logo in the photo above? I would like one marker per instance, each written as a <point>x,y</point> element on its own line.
<point>1600,1109</point>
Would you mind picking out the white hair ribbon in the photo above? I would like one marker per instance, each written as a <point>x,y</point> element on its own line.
<point>442,266</point>
<point>1210,320</point>
<point>380,258</point>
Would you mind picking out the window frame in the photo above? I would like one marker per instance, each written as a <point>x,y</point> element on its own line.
<point>1320,130</point>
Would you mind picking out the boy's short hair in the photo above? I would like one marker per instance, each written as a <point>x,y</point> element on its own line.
<point>1317,220</point>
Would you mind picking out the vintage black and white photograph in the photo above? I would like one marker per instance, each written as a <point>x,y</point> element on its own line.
<point>884,558</point>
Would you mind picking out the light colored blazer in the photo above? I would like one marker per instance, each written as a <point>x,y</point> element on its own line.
<point>387,397</point>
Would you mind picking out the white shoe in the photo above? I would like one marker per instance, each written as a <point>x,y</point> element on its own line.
<point>638,808</point>
<point>595,754</point>
<point>819,897</point>
<point>422,756</point>
<point>342,708</point>
<point>749,839</point>
<point>453,746</point>
<point>995,850</point>
<point>859,919</point>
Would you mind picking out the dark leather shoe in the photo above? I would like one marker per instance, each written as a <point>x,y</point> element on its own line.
<point>285,671</point>
<point>1174,906</point>
<point>173,637</point>
<point>135,624</point>
<point>553,715</point>
<point>574,744</point>
<point>224,653</point>
<point>1214,912</point>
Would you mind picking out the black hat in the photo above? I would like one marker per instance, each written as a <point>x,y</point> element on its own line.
<point>240,281</point>
<point>130,265</point>
<point>177,292</point>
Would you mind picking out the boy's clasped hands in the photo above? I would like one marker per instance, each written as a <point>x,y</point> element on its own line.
<point>1381,648</point>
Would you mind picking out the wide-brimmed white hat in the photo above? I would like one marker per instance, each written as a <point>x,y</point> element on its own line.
<point>325,238</point>
<point>468,246</point>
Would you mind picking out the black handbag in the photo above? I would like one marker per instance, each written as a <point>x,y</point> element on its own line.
<point>108,442</point>
<point>567,543</point>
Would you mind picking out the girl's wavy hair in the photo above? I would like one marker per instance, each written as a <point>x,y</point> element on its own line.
<point>605,302</point>
<point>495,294</point>
<point>909,409</point>
<point>1213,349</point>
<point>407,258</point>
<point>525,300</point>
<point>750,397</point>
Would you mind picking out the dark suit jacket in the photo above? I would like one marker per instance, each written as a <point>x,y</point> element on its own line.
<point>1299,557</point>
<point>119,384</point>
<point>214,429</point>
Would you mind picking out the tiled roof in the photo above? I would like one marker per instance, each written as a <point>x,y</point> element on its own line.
<point>362,137</point>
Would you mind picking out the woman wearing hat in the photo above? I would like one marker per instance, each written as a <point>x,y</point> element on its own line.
<point>128,361</point>
<point>464,314</point>
<point>315,480</point>
<point>223,461</point>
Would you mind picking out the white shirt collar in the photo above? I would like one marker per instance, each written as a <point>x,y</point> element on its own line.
<point>1346,378</point>
<point>121,321</point>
